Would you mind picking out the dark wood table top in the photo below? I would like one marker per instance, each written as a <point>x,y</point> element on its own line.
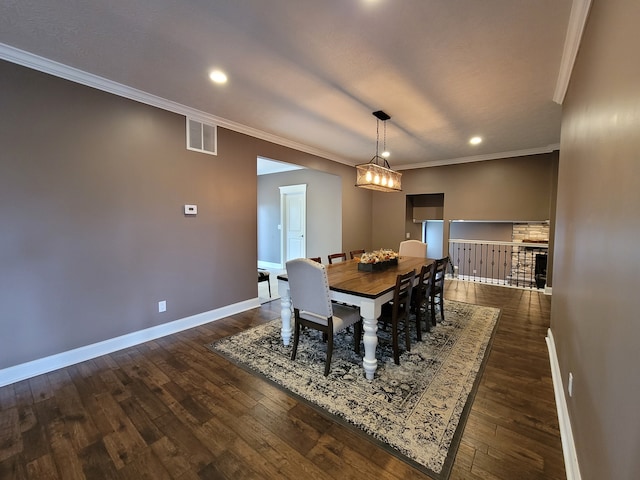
<point>345,276</point>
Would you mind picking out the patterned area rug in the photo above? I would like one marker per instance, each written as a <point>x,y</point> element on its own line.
<point>416,410</point>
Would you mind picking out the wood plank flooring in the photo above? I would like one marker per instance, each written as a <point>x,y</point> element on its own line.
<point>171,409</point>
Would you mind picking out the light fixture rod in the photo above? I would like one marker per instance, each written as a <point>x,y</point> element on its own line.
<point>377,135</point>
<point>381,115</point>
<point>384,143</point>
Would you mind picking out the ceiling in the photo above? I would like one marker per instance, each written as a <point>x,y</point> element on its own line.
<point>310,73</point>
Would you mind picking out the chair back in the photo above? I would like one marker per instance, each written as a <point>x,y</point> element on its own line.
<point>425,281</point>
<point>355,253</point>
<point>309,287</point>
<point>440,271</point>
<point>402,295</point>
<point>337,257</point>
<point>316,259</point>
<point>413,248</point>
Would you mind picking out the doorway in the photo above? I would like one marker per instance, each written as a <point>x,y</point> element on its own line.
<point>323,229</point>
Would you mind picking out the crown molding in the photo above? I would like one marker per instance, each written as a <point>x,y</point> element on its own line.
<point>482,158</point>
<point>45,65</point>
<point>577,22</point>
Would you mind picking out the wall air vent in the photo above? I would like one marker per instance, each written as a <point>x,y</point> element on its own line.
<point>201,137</point>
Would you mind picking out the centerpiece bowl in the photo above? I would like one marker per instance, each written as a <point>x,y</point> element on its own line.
<point>377,260</point>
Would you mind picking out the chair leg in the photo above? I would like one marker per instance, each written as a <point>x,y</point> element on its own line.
<point>432,302</point>
<point>357,335</point>
<point>427,317</point>
<point>269,285</point>
<point>418,322</point>
<point>394,342</point>
<point>442,306</point>
<point>327,365</point>
<point>296,337</point>
<point>407,338</point>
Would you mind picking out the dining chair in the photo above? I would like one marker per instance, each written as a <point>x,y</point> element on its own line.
<point>340,257</point>
<point>316,259</point>
<point>413,248</point>
<point>264,276</point>
<point>355,253</point>
<point>437,289</point>
<point>312,306</point>
<point>399,311</point>
<point>421,298</point>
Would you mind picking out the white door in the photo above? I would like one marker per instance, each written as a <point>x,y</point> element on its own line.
<point>293,201</point>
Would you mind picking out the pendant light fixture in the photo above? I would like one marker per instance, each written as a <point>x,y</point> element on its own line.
<point>377,174</point>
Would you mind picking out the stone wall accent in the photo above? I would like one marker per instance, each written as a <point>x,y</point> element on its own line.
<point>530,231</point>
<point>522,258</point>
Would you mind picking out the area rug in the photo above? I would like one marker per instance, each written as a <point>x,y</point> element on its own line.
<point>416,410</point>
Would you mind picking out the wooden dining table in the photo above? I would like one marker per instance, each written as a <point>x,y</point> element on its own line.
<point>363,289</point>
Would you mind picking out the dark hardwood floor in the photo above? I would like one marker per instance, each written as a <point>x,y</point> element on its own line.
<point>171,409</point>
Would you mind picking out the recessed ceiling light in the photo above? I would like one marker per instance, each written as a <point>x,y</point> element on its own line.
<point>218,76</point>
<point>475,140</point>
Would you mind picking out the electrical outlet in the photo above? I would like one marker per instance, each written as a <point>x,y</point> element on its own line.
<point>162,306</point>
<point>570,385</point>
<point>475,271</point>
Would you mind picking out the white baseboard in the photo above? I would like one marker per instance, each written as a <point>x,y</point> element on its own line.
<point>60,360</point>
<point>568,446</point>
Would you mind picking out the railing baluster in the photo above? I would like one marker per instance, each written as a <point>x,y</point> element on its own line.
<point>493,258</point>
<point>519,265</point>
<point>475,260</point>
<point>512,264</point>
<point>469,261</point>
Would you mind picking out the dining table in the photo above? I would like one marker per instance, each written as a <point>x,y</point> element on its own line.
<point>367,290</point>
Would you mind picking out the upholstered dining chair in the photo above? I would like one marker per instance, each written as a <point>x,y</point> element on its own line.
<point>421,298</point>
<point>355,253</point>
<point>437,289</point>
<point>337,257</point>
<point>312,306</point>
<point>264,276</point>
<point>413,248</point>
<point>399,310</point>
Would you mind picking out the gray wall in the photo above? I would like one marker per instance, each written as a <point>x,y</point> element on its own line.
<point>595,315</point>
<point>324,214</point>
<point>519,188</point>
<point>92,188</point>
<point>502,232</point>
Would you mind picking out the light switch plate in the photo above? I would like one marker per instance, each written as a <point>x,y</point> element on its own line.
<point>190,209</point>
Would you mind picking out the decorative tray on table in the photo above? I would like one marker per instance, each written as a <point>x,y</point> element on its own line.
<point>377,260</point>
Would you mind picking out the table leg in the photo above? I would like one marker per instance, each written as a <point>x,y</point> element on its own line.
<point>285,312</point>
<point>370,339</point>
